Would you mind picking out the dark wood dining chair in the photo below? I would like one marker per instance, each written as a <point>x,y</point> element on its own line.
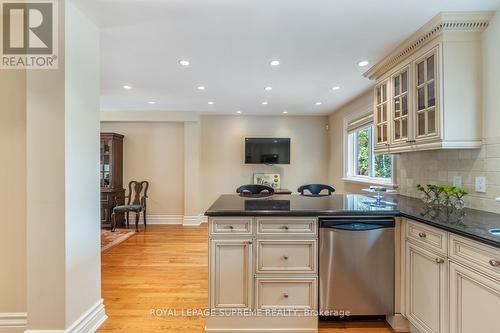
<point>314,190</point>
<point>136,203</point>
<point>255,189</point>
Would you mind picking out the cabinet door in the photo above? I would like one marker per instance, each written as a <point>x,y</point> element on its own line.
<point>474,301</point>
<point>426,283</point>
<point>400,107</point>
<point>231,273</point>
<point>381,118</point>
<point>426,97</point>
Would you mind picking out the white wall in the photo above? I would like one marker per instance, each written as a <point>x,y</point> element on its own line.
<point>154,151</point>
<point>222,152</point>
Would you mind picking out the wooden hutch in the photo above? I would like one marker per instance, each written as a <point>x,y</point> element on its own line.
<point>111,174</point>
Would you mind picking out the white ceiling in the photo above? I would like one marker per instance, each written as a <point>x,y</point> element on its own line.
<point>229,44</point>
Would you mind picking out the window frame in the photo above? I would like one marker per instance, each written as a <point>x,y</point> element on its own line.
<point>350,157</point>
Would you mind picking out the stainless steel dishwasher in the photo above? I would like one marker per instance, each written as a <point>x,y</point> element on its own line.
<point>356,265</point>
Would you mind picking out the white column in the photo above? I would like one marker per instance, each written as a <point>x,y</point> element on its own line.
<point>192,173</point>
<point>63,247</point>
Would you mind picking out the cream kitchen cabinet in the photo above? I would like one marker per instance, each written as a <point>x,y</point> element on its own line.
<point>231,273</point>
<point>426,289</point>
<point>433,84</point>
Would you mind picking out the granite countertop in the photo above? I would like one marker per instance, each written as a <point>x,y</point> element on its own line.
<point>471,223</point>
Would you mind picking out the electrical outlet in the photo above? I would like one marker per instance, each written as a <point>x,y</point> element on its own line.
<point>481,184</point>
<point>498,199</point>
<point>457,181</point>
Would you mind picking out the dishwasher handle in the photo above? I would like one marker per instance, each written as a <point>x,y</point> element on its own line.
<point>356,227</point>
<point>358,223</point>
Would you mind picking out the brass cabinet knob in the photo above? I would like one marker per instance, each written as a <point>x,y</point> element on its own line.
<point>439,260</point>
<point>285,227</point>
<point>495,263</point>
<point>285,257</point>
<point>285,295</point>
<point>422,235</point>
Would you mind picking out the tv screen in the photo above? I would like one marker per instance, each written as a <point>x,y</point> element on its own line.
<point>267,151</point>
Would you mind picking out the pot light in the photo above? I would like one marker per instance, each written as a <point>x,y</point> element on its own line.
<point>274,62</point>
<point>184,63</point>
<point>335,88</point>
<point>152,102</point>
<point>268,88</point>
<point>127,87</point>
<point>238,112</point>
<point>363,63</point>
<point>318,103</point>
<point>264,103</point>
<point>200,88</point>
<point>285,112</point>
<point>211,103</point>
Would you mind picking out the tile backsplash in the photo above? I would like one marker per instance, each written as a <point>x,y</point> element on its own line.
<point>440,166</point>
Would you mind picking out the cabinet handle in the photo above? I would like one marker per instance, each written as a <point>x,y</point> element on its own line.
<point>439,260</point>
<point>231,227</point>
<point>285,227</point>
<point>494,263</point>
<point>422,235</point>
<point>285,295</point>
<point>285,257</point>
<point>249,242</point>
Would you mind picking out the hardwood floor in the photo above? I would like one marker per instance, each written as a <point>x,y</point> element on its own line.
<point>166,268</point>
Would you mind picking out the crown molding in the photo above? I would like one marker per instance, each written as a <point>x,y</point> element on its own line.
<point>442,23</point>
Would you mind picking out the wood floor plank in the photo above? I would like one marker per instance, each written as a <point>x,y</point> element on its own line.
<point>166,267</point>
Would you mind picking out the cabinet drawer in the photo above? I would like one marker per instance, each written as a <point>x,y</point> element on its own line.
<point>476,255</point>
<point>287,226</point>
<point>286,256</point>
<point>286,293</point>
<point>433,238</point>
<point>230,225</point>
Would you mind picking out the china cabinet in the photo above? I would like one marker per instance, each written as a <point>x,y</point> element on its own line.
<point>433,87</point>
<point>111,176</point>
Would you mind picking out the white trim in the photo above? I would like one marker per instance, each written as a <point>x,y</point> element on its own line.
<point>186,220</point>
<point>13,322</point>
<point>89,322</point>
<point>398,322</point>
<point>164,219</point>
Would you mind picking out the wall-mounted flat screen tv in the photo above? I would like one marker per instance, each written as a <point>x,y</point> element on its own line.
<point>267,150</point>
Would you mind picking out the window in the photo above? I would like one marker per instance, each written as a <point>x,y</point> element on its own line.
<point>362,163</point>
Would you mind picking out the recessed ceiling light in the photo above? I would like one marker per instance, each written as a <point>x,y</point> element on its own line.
<point>152,102</point>
<point>318,103</point>
<point>336,88</point>
<point>184,63</point>
<point>285,112</point>
<point>211,103</point>
<point>200,88</point>
<point>238,112</point>
<point>264,103</point>
<point>126,87</point>
<point>362,63</point>
<point>274,62</point>
<point>268,88</point>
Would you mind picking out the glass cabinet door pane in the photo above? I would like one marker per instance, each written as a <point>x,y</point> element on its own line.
<point>420,73</point>
<point>384,93</point>
<point>384,112</point>
<point>379,95</point>
<point>404,105</point>
<point>421,98</point>
<point>431,120</point>
<point>379,115</point>
<point>397,131</point>
<point>379,134</point>
<point>396,86</point>
<point>431,95</point>
<point>404,128</point>
<point>404,82</point>
<point>430,68</point>
<point>421,123</point>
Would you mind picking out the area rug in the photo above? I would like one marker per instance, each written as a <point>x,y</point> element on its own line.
<point>110,239</point>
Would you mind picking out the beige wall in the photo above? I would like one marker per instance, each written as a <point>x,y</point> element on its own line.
<point>222,152</point>
<point>359,106</point>
<point>13,194</point>
<point>154,151</point>
<point>439,167</point>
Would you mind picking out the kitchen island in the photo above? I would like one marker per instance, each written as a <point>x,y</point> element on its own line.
<point>263,261</point>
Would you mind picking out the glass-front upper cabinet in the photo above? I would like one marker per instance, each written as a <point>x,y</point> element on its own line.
<point>105,167</point>
<point>381,114</point>
<point>426,91</point>
<point>400,98</point>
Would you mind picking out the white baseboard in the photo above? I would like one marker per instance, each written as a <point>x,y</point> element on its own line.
<point>89,322</point>
<point>398,322</point>
<point>163,219</point>
<point>13,322</point>
<point>185,220</point>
